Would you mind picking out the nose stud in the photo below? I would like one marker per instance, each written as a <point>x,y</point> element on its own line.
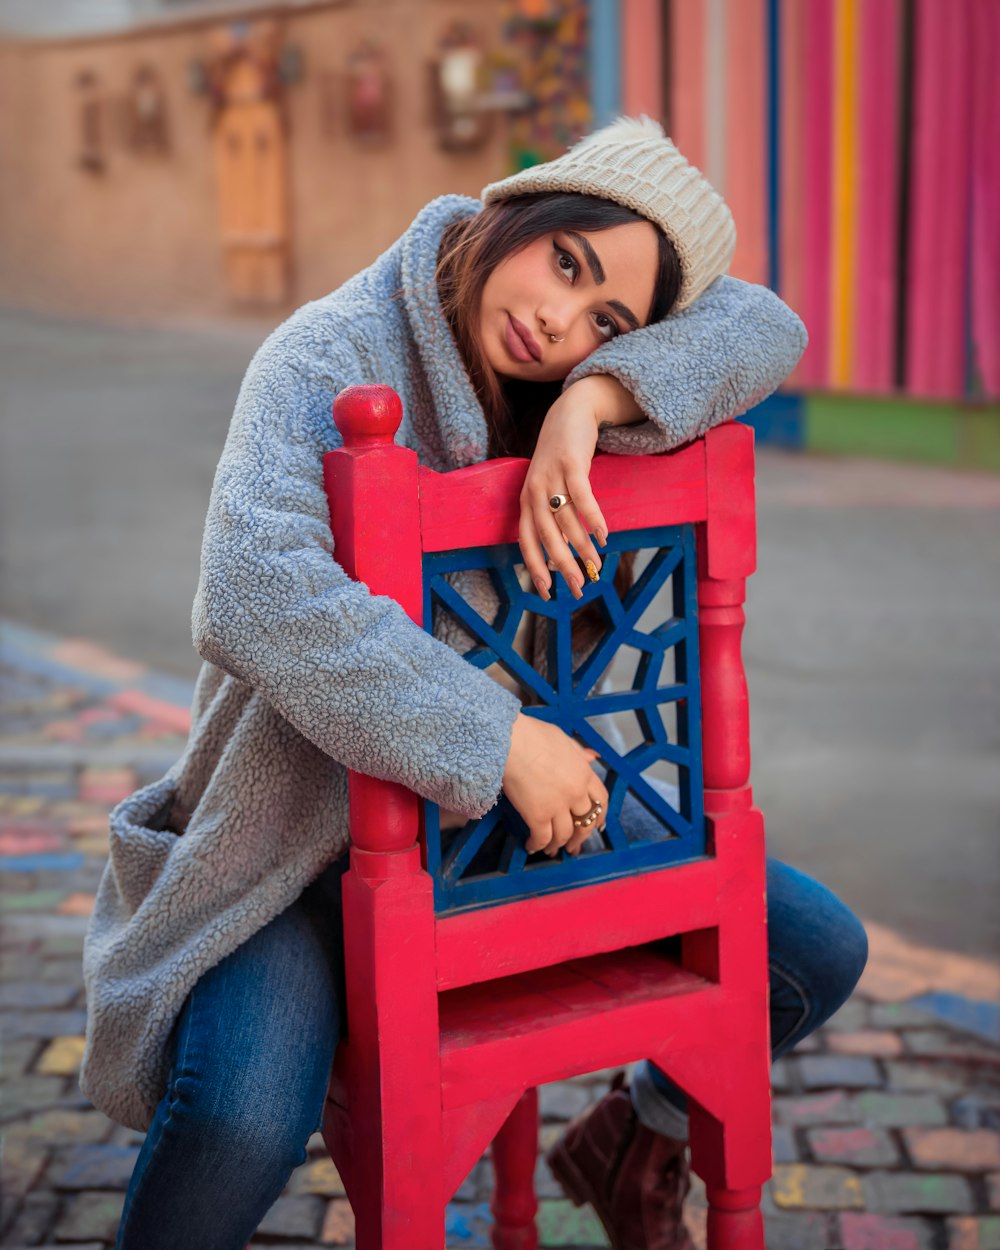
<point>555,340</point>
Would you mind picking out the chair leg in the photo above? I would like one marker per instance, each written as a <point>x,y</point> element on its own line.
<point>515,1151</point>
<point>734,1160</point>
<point>734,1219</point>
<point>395,1209</point>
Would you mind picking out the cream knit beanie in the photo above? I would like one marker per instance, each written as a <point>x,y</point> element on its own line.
<point>632,162</point>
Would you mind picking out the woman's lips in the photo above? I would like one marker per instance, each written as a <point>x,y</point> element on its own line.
<point>520,344</point>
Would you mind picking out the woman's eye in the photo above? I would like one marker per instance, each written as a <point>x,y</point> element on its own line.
<point>565,262</point>
<point>607,326</point>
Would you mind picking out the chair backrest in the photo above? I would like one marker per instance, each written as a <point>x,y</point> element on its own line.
<point>413,534</point>
<point>486,976</point>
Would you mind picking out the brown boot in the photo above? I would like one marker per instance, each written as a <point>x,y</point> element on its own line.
<point>636,1180</point>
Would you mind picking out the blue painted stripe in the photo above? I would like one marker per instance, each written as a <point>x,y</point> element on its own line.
<point>57,862</point>
<point>773,142</point>
<point>780,420</point>
<point>39,789</point>
<point>976,1016</point>
<point>971,381</point>
<point>605,61</point>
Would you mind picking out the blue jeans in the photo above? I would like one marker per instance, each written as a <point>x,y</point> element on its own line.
<point>255,1040</point>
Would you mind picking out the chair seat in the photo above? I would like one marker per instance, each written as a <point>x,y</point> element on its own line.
<point>556,1022</point>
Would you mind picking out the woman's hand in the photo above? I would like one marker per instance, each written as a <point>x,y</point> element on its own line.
<point>560,465</point>
<point>549,779</point>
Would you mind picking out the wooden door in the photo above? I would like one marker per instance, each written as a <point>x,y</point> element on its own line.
<point>251,175</point>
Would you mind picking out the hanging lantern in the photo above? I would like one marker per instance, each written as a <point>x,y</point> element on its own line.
<point>369,94</point>
<point>146,113</point>
<point>455,89</point>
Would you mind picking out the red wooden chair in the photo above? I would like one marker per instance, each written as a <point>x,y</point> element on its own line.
<point>476,973</point>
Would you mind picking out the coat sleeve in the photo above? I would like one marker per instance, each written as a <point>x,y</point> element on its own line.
<point>347,668</point>
<point>697,368</point>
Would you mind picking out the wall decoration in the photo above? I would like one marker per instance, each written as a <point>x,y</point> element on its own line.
<point>145,113</point>
<point>540,14</point>
<point>249,139</point>
<point>91,155</point>
<point>245,60</point>
<point>469,85</point>
<point>368,94</point>
<point>456,79</point>
<point>549,39</point>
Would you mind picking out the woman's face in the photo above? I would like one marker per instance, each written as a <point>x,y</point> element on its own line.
<point>583,288</point>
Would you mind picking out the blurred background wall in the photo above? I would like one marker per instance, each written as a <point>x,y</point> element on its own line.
<point>168,158</point>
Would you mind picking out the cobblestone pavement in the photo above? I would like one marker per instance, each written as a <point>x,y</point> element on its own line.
<point>886,1123</point>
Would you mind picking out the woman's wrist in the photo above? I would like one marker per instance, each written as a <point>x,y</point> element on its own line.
<point>613,404</point>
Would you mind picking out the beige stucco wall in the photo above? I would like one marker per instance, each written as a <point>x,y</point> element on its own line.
<point>141,239</point>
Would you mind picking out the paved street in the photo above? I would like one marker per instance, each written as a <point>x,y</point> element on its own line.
<point>887,1122</point>
<point>871,646</point>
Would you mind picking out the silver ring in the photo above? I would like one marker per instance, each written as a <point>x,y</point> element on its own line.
<point>558,501</point>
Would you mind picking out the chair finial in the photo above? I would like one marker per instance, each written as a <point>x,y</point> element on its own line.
<point>367,415</point>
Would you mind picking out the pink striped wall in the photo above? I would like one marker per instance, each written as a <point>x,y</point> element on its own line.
<point>817,186</point>
<point>687,38</point>
<point>746,150</point>
<point>875,264</point>
<point>642,43</point>
<point>939,199</point>
<point>792,89</point>
<point>841,148</point>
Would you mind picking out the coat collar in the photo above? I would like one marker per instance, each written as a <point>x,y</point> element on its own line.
<point>459,416</point>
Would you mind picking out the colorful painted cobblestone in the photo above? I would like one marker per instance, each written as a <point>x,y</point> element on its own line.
<point>887,1122</point>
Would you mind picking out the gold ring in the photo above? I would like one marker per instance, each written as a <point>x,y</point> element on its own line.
<point>558,501</point>
<point>588,818</point>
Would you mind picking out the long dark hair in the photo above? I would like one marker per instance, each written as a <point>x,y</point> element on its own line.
<point>470,251</point>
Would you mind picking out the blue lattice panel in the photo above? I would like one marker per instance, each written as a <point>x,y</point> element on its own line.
<point>646,728</point>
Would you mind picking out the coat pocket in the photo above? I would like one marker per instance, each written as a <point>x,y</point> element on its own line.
<point>141,841</point>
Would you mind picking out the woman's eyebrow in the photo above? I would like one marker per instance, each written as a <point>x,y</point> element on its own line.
<point>624,311</point>
<point>589,255</point>
<point>597,272</point>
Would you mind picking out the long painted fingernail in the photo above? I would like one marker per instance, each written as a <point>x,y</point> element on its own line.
<point>592,572</point>
<point>602,538</point>
<point>543,590</point>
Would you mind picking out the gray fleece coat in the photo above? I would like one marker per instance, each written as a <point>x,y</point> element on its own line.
<point>306,673</point>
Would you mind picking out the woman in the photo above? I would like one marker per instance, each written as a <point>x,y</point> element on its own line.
<point>580,306</point>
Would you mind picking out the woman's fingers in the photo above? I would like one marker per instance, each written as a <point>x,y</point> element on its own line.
<point>577,840</point>
<point>562,832</point>
<point>546,536</point>
<point>579,489</point>
<point>532,553</point>
<point>539,838</point>
<point>557,547</point>
<point>573,532</point>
